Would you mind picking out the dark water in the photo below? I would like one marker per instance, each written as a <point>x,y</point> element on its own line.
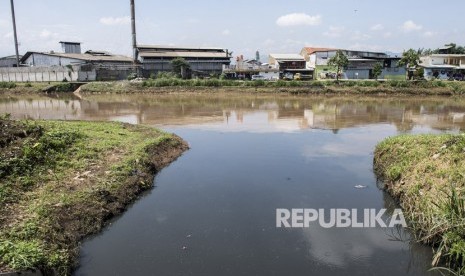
<point>213,211</point>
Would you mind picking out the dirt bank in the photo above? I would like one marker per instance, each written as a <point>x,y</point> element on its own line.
<point>62,181</point>
<point>425,173</point>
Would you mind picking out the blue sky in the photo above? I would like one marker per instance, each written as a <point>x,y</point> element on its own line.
<point>242,26</point>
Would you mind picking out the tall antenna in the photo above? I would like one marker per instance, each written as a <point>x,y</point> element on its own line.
<point>14,31</point>
<point>133,25</point>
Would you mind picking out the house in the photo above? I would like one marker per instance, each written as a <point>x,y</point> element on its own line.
<point>290,64</point>
<point>443,66</point>
<point>9,61</point>
<point>203,61</point>
<point>360,66</point>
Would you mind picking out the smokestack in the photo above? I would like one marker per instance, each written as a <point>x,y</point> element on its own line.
<point>133,25</point>
<point>14,32</point>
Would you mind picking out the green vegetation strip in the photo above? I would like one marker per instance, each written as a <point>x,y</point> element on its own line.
<point>345,86</point>
<point>426,173</point>
<point>61,181</point>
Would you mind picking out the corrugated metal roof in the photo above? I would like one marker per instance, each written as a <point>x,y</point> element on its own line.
<point>85,57</point>
<point>161,47</point>
<point>287,57</point>
<point>11,57</point>
<point>311,50</point>
<point>183,54</point>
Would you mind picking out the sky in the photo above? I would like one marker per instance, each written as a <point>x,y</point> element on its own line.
<point>242,26</point>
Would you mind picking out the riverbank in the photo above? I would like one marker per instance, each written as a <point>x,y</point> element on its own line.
<point>346,87</point>
<point>163,86</point>
<point>63,181</point>
<point>426,174</point>
<point>28,88</point>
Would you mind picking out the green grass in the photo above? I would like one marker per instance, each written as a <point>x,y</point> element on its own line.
<point>66,180</point>
<point>327,86</point>
<point>427,174</point>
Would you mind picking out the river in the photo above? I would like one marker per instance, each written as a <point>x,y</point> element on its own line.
<point>213,211</point>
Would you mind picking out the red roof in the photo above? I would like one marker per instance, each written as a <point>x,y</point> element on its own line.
<point>311,50</point>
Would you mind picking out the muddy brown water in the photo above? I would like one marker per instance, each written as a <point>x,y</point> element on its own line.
<point>213,211</point>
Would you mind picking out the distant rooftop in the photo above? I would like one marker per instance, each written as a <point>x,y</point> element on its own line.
<point>311,50</point>
<point>177,48</point>
<point>71,42</point>
<point>287,56</point>
<point>88,56</point>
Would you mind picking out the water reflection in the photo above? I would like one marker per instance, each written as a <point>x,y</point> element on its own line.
<point>250,155</point>
<point>262,113</point>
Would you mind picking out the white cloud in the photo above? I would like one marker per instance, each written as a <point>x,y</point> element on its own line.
<point>8,35</point>
<point>112,21</point>
<point>429,34</point>
<point>298,19</point>
<point>377,27</point>
<point>334,31</point>
<point>226,32</point>
<point>410,26</point>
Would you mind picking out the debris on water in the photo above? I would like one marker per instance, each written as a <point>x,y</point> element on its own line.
<point>288,179</point>
<point>188,236</point>
<point>184,247</point>
<point>360,187</point>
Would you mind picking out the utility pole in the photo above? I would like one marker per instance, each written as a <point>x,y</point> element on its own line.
<point>14,31</point>
<point>133,26</point>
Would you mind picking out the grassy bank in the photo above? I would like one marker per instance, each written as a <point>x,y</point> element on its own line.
<point>426,173</point>
<point>13,88</point>
<point>169,85</point>
<point>61,181</point>
<point>304,87</point>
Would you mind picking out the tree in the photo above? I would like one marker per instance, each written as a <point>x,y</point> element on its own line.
<point>454,49</point>
<point>340,61</point>
<point>410,59</point>
<point>179,65</point>
<point>377,70</point>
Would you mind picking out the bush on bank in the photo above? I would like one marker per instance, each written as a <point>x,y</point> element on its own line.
<point>426,173</point>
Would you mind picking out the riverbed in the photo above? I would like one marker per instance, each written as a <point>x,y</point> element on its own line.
<point>213,211</point>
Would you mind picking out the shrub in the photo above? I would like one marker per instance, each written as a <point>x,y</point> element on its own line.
<point>7,85</point>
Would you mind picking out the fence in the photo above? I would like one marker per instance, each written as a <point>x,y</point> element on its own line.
<point>86,72</point>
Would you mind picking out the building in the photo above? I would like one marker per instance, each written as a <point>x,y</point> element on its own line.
<point>360,66</point>
<point>9,61</point>
<point>77,66</point>
<point>64,59</point>
<point>202,61</point>
<point>290,64</point>
<point>443,66</point>
<point>245,69</point>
